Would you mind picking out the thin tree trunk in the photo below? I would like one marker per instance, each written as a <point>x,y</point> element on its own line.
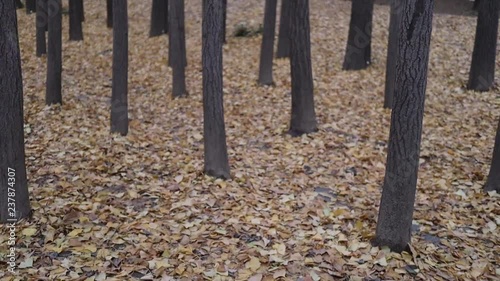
<point>214,132</point>
<point>75,22</point>
<point>176,48</point>
<point>224,20</point>
<point>119,99</point>
<point>182,40</point>
<point>284,32</point>
<point>81,9</point>
<point>30,6</point>
<point>358,51</point>
<point>493,181</point>
<point>41,24</point>
<point>400,183</point>
<point>303,120</point>
<point>267,48</point>
<point>159,18</point>
<point>482,71</point>
<point>54,54</point>
<point>392,53</point>
<point>14,203</point>
<point>19,4</point>
<point>109,13</point>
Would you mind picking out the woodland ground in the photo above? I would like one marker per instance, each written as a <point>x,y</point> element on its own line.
<point>124,208</point>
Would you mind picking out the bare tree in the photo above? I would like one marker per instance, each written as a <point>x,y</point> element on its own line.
<point>75,21</point>
<point>493,181</point>
<point>359,41</point>
<point>177,42</point>
<point>392,53</point>
<point>54,54</point>
<point>159,18</point>
<point>267,48</point>
<point>41,24</point>
<point>283,50</point>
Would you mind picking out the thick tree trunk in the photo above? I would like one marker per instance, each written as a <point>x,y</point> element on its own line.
<point>176,48</point>
<point>75,22</point>
<point>493,181</point>
<point>54,54</point>
<point>482,71</point>
<point>109,13</point>
<point>283,50</point>
<point>392,53</point>
<point>119,100</point>
<point>214,132</point>
<point>400,183</point>
<point>303,119</point>
<point>358,51</point>
<point>267,48</point>
<point>159,18</point>
<point>30,6</point>
<point>14,197</point>
<point>81,9</point>
<point>41,25</point>
<point>19,4</point>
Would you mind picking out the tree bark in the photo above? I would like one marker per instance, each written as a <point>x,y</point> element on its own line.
<point>176,48</point>
<point>54,54</point>
<point>493,181</point>
<point>392,53</point>
<point>482,71</point>
<point>119,99</point>
<point>81,9</point>
<point>109,13</point>
<point>303,120</point>
<point>14,197</point>
<point>19,4</point>
<point>216,158</point>
<point>159,18</point>
<point>75,22</point>
<point>400,183</point>
<point>283,50</point>
<point>41,25</point>
<point>224,20</point>
<point>267,48</point>
<point>30,6</point>
<point>182,40</point>
<point>358,51</point>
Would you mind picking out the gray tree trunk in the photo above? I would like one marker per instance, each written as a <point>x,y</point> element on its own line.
<point>482,71</point>
<point>283,50</point>
<point>75,21</point>
<point>119,100</point>
<point>54,54</point>
<point>267,48</point>
<point>359,41</point>
<point>303,120</point>
<point>214,132</point>
<point>81,9</point>
<point>493,181</point>
<point>392,52</point>
<point>41,25</point>
<point>109,13</point>
<point>224,20</point>
<point>159,18</point>
<point>176,48</point>
<point>400,183</point>
<point>30,6</point>
<point>182,40</point>
<point>14,197</point>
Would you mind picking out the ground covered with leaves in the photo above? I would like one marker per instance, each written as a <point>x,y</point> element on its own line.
<point>138,207</point>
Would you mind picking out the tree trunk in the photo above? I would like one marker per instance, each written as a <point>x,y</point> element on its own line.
<point>19,4</point>
<point>267,48</point>
<point>284,32</point>
<point>400,183</point>
<point>81,9</point>
<point>75,22</point>
<point>392,53</point>
<point>119,100</point>
<point>224,20</point>
<point>303,119</point>
<point>182,40</point>
<point>109,13</point>
<point>482,71</point>
<point>41,24</point>
<point>54,56</point>
<point>493,181</point>
<point>358,51</point>
<point>216,159</point>
<point>30,6</point>
<point>159,18</point>
<point>176,48</point>
<point>14,203</point>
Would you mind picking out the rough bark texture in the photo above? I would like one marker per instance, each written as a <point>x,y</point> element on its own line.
<point>358,51</point>
<point>30,6</point>
<point>182,40</point>
<point>176,48</point>
<point>75,22</point>
<point>267,48</point>
<point>119,100</point>
<point>214,132</point>
<point>400,183</point>
<point>482,71</point>
<point>54,54</point>
<point>303,119</point>
<point>109,13</point>
<point>159,18</point>
<point>493,181</point>
<point>392,53</point>
<point>224,20</point>
<point>11,121</point>
<point>41,25</point>
<point>283,50</point>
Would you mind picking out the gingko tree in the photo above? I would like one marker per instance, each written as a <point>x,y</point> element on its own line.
<point>267,47</point>
<point>54,54</point>
<point>400,182</point>
<point>75,20</point>
<point>177,48</point>
<point>493,181</point>
<point>14,198</point>
<point>283,50</point>
<point>159,18</point>
<point>359,41</point>
<point>41,26</point>
<point>392,52</point>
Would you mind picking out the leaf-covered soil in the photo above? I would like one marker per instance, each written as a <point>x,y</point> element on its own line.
<point>138,207</point>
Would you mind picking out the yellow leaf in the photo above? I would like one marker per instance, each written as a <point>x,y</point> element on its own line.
<point>253,264</point>
<point>29,231</point>
<point>75,232</point>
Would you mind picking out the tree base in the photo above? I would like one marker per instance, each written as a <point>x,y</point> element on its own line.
<point>491,186</point>
<point>300,132</point>
<point>394,247</point>
<point>217,173</point>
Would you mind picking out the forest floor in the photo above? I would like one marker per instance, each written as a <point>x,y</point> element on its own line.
<point>138,207</point>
